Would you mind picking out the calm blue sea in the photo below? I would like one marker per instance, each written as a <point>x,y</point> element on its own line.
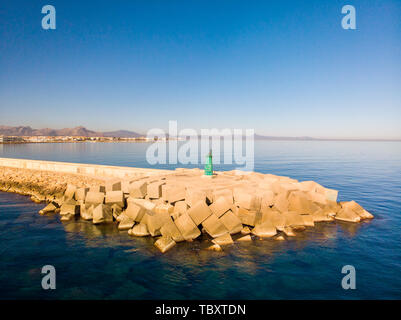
<point>99,262</point>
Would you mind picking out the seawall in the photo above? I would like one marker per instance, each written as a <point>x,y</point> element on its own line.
<point>45,180</point>
<point>79,168</point>
<point>179,205</point>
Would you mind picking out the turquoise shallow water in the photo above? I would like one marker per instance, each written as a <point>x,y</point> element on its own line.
<point>98,262</point>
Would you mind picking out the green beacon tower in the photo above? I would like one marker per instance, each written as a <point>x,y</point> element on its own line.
<point>209,165</point>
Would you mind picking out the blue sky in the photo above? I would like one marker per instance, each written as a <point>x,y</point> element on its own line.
<point>284,68</point>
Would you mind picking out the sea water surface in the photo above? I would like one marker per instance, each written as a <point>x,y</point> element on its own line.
<point>99,262</point>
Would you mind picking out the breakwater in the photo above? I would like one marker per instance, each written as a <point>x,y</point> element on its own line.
<point>179,205</point>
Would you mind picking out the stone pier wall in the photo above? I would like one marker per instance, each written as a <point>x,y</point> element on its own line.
<point>79,168</point>
<point>44,180</point>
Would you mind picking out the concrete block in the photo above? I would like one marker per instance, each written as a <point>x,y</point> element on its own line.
<point>308,220</point>
<point>293,219</point>
<point>51,207</point>
<point>116,210</point>
<point>280,202</point>
<point>359,210</point>
<point>220,206</point>
<point>298,201</point>
<point>193,196</point>
<point>135,212</point>
<point>275,217</point>
<point>280,187</point>
<point>155,221</point>
<point>138,189</point>
<point>247,217</point>
<point>289,232</point>
<point>323,215</point>
<point>139,230</point>
<point>125,186</point>
<point>232,223</point>
<point>154,189</point>
<point>223,240</point>
<point>115,197</point>
<point>225,193</point>
<point>69,209</point>
<point>214,227</point>
<point>187,227</point>
<point>180,207</point>
<point>175,193</point>
<point>267,199</point>
<point>310,186</point>
<point>348,215</point>
<point>164,244</point>
<point>97,189</point>
<point>245,238</point>
<point>102,214</point>
<point>170,229</point>
<point>199,212</point>
<point>114,185</point>
<point>94,198</point>
<point>80,194</point>
<point>331,194</point>
<point>86,211</point>
<point>317,197</point>
<point>147,204</point>
<point>67,217</point>
<point>69,192</point>
<point>242,198</point>
<point>126,222</point>
<point>164,208</point>
<point>264,230</point>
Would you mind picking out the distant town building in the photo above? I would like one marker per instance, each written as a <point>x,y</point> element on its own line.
<point>5,139</point>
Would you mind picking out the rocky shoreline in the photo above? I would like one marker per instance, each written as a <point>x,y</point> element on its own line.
<point>184,205</point>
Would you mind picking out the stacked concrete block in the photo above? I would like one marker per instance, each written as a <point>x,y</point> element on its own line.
<point>231,222</point>
<point>154,189</point>
<point>199,212</point>
<point>155,221</point>
<point>115,185</point>
<point>221,205</point>
<point>86,211</point>
<point>135,212</point>
<point>177,206</point>
<point>94,197</point>
<point>214,227</point>
<point>139,230</point>
<point>115,197</point>
<point>69,192</point>
<point>164,243</point>
<point>187,227</point>
<point>138,189</point>
<point>171,230</point>
<point>102,214</point>
<point>80,194</point>
<point>126,222</point>
<point>265,229</point>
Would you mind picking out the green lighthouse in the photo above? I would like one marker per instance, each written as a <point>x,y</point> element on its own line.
<point>209,165</point>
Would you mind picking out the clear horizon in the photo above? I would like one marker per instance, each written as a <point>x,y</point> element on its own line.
<point>283,68</point>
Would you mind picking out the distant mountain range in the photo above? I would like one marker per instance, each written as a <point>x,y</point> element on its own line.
<point>83,132</point>
<point>74,132</point>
